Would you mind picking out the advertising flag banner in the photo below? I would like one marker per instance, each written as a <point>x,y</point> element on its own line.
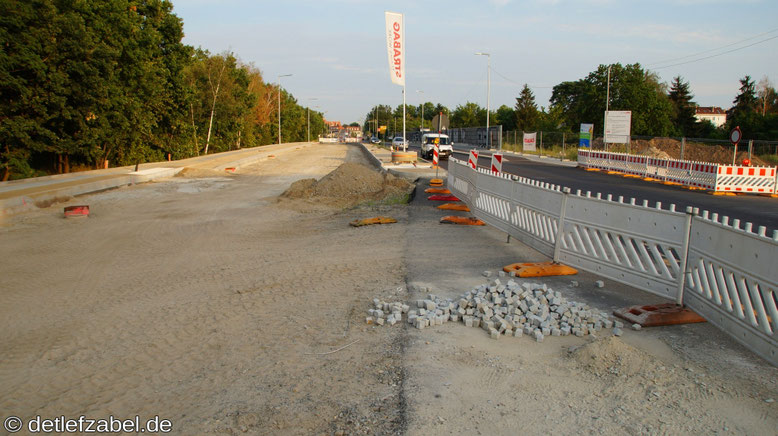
<point>529,141</point>
<point>585,138</point>
<point>395,47</point>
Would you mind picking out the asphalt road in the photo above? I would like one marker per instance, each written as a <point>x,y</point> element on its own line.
<point>759,210</point>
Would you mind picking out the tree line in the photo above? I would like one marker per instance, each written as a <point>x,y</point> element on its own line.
<point>84,83</point>
<point>658,109</point>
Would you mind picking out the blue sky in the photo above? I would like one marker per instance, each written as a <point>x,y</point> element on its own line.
<point>337,54</point>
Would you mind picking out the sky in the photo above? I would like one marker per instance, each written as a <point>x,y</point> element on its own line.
<point>336,49</point>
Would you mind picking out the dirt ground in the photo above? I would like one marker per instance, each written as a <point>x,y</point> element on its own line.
<point>207,300</point>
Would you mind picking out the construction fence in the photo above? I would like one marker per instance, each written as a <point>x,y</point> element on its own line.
<point>563,144</point>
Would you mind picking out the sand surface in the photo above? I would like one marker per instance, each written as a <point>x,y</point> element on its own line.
<point>206,300</point>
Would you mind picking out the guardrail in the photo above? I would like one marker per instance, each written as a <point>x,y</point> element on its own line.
<point>719,270</point>
<point>703,175</point>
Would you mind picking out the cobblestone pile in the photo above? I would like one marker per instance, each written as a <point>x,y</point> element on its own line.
<point>511,308</point>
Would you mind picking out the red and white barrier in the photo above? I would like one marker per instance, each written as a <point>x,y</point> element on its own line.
<point>497,163</point>
<point>703,175</point>
<point>435,155</point>
<point>760,180</point>
<point>473,159</point>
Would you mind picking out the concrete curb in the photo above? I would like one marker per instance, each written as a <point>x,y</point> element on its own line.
<point>372,158</point>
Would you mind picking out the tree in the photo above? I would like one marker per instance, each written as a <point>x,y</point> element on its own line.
<point>683,107</point>
<point>27,40</point>
<point>527,114</point>
<point>469,115</point>
<point>768,98</point>
<point>744,110</point>
<point>631,88</point>
<point>380,115</point>
<point>506,117</point>
<point>746,100</point>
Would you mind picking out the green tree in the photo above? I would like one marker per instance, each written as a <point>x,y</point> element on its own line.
<point>527,114</point>
<point>27,41</point>
<point>469,115</point>
<point>683,107</point>
<point>506,117</point>
<point>744,110</point>
<point>380,115</point>
<point>631,88</point>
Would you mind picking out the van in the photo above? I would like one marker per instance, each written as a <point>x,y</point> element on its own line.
<point>445,146</point>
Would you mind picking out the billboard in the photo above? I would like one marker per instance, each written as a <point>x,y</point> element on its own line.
<point>586,135</point>
<point>617,126</point>
<point>395,47</point>
<point>529,141</point>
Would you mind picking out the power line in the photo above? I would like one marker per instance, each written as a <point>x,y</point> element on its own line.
<point>714,49</point>
<point>517,83</point>
<point>716,55</point>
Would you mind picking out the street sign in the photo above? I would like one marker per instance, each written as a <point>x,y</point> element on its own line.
<point>440,122</point>
<point>735,135</point>
<point>618,126</point>
<point>497,163</point>
<point>586,135</point>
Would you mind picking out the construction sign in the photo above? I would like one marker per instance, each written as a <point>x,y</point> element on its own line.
<point>497,163</point>
<point>473,159</point>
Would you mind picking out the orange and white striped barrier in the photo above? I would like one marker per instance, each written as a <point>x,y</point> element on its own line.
<point>436,155</point>
<point>759,180</point>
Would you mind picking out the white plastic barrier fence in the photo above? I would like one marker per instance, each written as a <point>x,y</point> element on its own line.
<point>703,175</point>
<point>732,281</point>
<point>724,273</point>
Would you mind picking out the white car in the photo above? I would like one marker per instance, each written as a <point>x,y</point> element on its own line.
<point>399,142</point>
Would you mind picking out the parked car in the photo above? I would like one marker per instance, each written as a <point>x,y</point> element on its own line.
<point>399,142</point>
<point>375,140</point>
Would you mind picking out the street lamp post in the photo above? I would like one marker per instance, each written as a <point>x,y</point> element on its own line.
<point>309,119</point>
<point>279,105</point>
<point>488,91</point>
<point>607,107</point>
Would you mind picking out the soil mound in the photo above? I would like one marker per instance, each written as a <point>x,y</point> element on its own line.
<point>612,356</point>
<point>348,185</point>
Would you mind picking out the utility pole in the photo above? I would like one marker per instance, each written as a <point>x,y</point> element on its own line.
<point>309,119</point>
<point>607,106</point>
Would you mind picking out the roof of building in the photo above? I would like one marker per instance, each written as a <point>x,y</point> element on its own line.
<point>710,110</point>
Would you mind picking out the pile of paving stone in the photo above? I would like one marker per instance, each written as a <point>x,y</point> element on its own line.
<point>511,309</point>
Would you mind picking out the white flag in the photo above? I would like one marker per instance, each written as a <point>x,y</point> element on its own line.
<point>395,47</point>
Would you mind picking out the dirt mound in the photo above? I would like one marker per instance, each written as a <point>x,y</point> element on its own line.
<point>612,356</point>
<point>349,185</point>
<point>199,173</point>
